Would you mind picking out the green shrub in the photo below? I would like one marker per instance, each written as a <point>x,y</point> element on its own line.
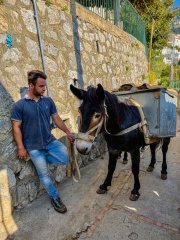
<point>164,82</point>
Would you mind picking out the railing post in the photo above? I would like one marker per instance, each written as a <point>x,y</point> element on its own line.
<point>117,20</point>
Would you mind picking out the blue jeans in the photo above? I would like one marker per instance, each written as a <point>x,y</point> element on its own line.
<point>55,153</point>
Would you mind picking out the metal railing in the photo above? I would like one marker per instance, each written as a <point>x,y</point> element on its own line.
<point>103,8</point>
<point>129,18</point>
<point>132,22</point>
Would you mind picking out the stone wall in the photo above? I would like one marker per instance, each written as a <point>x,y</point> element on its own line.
<point>81,49</point>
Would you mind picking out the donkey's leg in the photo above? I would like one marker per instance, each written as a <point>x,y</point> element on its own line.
<point>166,142</point>
<point>125,159</point>
<point>153,157</point>
<point>113,155</point>
<point>135,157</point>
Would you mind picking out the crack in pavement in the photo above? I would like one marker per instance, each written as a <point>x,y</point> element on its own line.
<point>102,213</point>
<point>90,228</point>
<point>147,219</point>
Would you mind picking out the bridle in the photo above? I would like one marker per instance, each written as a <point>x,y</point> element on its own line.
<point>87,136</point>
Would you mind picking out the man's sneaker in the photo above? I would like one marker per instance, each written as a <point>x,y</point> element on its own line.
<point>58,205</point>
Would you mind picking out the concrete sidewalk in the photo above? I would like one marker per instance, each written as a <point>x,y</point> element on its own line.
<point>156,215</point>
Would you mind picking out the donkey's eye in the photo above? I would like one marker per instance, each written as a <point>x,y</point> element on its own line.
<point>97,115</point>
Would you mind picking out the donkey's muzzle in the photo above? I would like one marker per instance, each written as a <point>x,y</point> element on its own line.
<point>84,143</point>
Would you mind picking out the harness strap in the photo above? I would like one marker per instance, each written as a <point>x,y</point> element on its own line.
<point>137,125</point>
<point>98,127</point>
<point>147,138</point>
<point>86,136</point>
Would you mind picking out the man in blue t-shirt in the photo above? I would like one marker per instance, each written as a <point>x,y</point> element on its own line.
<point>32,133</point>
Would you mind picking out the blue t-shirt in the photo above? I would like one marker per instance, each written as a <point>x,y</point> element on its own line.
<point>35,118</point>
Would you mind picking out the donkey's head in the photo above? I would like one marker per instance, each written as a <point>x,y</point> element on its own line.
<point>91,115</point>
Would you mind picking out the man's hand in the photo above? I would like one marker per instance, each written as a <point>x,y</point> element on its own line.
<point>71,137</point>
<point>22,154</point>
<point>61,125</point>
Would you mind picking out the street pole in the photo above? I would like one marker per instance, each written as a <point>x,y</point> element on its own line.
<point>150,46</point>
<point>172,61</point>
<point>117,19</point>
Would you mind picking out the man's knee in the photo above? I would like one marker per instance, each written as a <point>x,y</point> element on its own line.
<point>60,158</point>
<point>64,159</point>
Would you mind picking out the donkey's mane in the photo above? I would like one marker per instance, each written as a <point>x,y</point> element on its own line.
<point>112,103</point>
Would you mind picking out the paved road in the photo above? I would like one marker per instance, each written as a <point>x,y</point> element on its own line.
<point>155,216</point>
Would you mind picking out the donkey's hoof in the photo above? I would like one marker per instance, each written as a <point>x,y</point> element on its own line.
<point>134,197</point>
<point>150,169</point>
<point>101,191</point>
<point>163,176</point>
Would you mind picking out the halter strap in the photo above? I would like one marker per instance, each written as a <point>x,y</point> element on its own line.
<point>86,136</point>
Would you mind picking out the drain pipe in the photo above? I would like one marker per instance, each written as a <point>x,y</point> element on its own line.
<point>40,42</point>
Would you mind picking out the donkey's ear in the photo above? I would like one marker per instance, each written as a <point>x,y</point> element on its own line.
<point>79,93</point>
<point>100,92</point>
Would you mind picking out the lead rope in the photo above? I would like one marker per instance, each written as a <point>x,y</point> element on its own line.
<point>73,163</point>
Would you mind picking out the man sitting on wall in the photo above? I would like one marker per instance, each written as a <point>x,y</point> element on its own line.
<point>32,133</point>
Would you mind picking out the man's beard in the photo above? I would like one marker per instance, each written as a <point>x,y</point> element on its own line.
<point>37,94</point>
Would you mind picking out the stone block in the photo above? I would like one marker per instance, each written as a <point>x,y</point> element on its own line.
<point>3,21</point>
<point>12,2</point>
<point>60,173</point>
<point>32,48</point>
<point>32,189</point>
<point>26,171</point>
<point>28,18</point>
<point>22,194</point>
<point>13,55</point>
<point>53,15</point>
<point>26,2</point>
<point>50,64</point>
<point>3,38</point>
<point>7,223</point>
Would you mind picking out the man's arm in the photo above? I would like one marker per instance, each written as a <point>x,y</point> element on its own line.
<point>61,125</point>
<point>16,128</point>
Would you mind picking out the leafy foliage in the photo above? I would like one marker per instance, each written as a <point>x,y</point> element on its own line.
<point>161,12</point>
<point>161,70</point>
